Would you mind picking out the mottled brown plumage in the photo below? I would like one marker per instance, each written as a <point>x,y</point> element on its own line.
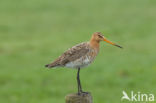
<point>71,55</point>
<point>80,55</point>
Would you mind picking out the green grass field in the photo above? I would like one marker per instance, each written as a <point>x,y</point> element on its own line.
<point>35,32</point>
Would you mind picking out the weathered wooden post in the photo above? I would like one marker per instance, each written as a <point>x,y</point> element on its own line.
<point>81,98</point>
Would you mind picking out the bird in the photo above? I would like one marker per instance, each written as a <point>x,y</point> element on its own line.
<point>80,56</point>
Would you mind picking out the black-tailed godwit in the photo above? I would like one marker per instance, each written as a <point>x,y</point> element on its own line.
<point>81,55</point>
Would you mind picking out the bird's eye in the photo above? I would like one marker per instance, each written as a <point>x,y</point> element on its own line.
<point>100,36</point>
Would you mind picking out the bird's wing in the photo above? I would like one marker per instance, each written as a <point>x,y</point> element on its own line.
<point>71,54</point>
<point>74,53</point>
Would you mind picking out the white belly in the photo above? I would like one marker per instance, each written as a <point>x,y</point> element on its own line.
<point>79,63</point>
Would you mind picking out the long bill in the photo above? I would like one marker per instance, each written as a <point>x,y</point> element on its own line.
<point>112,43</point>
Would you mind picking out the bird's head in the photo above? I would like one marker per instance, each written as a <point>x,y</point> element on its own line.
<point>98,36</point>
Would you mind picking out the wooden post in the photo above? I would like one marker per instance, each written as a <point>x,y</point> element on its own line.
<point>81,98</point>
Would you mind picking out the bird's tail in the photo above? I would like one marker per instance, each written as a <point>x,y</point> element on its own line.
<point>53,64</point>
<point>49,66</point>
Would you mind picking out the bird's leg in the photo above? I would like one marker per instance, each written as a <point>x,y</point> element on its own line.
<point>80,87</point>
<point>78,81</point>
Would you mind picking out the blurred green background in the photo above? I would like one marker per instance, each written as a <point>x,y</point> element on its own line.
<point>35,32</point>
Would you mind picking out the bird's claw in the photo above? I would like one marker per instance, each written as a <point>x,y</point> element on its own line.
<point>82,92</point>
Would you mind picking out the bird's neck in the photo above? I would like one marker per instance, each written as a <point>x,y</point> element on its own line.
<point>94,43</point>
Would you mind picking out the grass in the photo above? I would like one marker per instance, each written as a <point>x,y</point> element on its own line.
<point>33,33</point>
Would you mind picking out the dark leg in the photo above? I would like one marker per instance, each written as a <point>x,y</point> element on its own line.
<point>78,81</point>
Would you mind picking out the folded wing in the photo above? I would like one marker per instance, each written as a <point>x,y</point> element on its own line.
<point>70,55</point>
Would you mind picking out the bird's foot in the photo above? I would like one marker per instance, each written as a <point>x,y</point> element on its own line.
<point>78,93</point>
<point>82,93</point>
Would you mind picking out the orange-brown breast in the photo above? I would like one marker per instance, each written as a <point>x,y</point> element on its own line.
<point>94,44</point>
